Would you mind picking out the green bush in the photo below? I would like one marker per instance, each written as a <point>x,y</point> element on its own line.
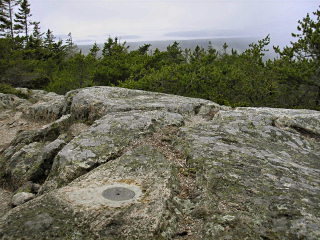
<point>7,89</point>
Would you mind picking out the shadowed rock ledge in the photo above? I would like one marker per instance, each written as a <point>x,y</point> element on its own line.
<point>112,163</point>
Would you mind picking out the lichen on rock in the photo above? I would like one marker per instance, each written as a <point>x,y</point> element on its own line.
<point>191,169</point>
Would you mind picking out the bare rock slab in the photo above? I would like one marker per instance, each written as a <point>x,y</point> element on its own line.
<point>259,180</point>
<point>93,103</point>
<point>114,163</point>
<point>145,173</point>
<point>105,140</point>
<point>21,198</point>
<point>5,199</point>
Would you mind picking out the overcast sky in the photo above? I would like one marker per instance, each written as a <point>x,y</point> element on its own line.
<point>137,20</point>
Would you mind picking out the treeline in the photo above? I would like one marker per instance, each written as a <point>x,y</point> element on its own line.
<point>30,58</point>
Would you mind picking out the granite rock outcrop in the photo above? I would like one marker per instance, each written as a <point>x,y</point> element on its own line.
<point>112,163</point>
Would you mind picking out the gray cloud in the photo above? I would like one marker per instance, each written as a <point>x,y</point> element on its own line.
<point>207,33</point>
<point>85,41</point>
<point>129,37</point>
<point>61,36</point>
<point>168,19</point>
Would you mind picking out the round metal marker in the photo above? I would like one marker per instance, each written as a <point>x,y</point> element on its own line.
<point>118,194</point>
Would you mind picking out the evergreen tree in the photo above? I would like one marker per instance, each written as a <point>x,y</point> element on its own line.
<point>197,53</point>
<point>212,53</point>
<point>3,19</point>
<point>144,49</point>
<point>70,47</point>
<point>36,30</point>
<point>94,50</point>
<point>106,51</point>
<point>113,47</point>
<point>225,47</point>
<point>6,17</point>
<point>35,39</point>
<point>22,19</point>
<point>308,47</point>
<point>49,39</point>
<point>308,44</point>
<point>69,40</point>
<point>174,53</point>
<point>306,52</point>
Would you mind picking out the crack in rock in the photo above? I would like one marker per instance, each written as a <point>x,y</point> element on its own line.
<point>181,168</point>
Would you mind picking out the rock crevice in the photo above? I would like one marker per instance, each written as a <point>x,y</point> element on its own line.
<point>194,169</point>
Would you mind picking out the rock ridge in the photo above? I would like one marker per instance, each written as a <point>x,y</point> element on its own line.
<point>194,169</point>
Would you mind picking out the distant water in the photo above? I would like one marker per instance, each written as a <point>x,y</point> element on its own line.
<point>239,44</point>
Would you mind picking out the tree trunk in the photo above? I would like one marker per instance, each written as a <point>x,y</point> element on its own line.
<point>11,19</point>
<point>26,27</point>
<point>318,97</point>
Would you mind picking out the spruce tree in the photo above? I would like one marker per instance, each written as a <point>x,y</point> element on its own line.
<point>35,39</point>
<point>69,40</point>
<point>36,30</point>
<point>70,46</point>
<point>94,50</point>
<point>6,17</point>
<point>22,20</point>
<point>49,39</point>
<point>224,48</point>
<point>114,47</point>
<point>144,49</point>
<point>3,18</point>
<point>306,50</point>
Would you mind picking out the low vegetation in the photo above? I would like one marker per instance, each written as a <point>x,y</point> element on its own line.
<point>7,89</point>
<point>34,59</point>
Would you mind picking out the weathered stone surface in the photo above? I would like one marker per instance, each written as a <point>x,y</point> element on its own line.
<point>194,169</point>
<point>258,180</point>
<point>49,110</point>
<point>41,105</point>
<point>21,198</point>
<point>47,106</point>
<point>105,140</point>
<point>5,200</point>
<point>8,101</point>
<point>30,162</point>
<point>18,115</point>
<point>93,103</point>
<point>20,165</point>
<point>148,215</point>
<point>46,217</point>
